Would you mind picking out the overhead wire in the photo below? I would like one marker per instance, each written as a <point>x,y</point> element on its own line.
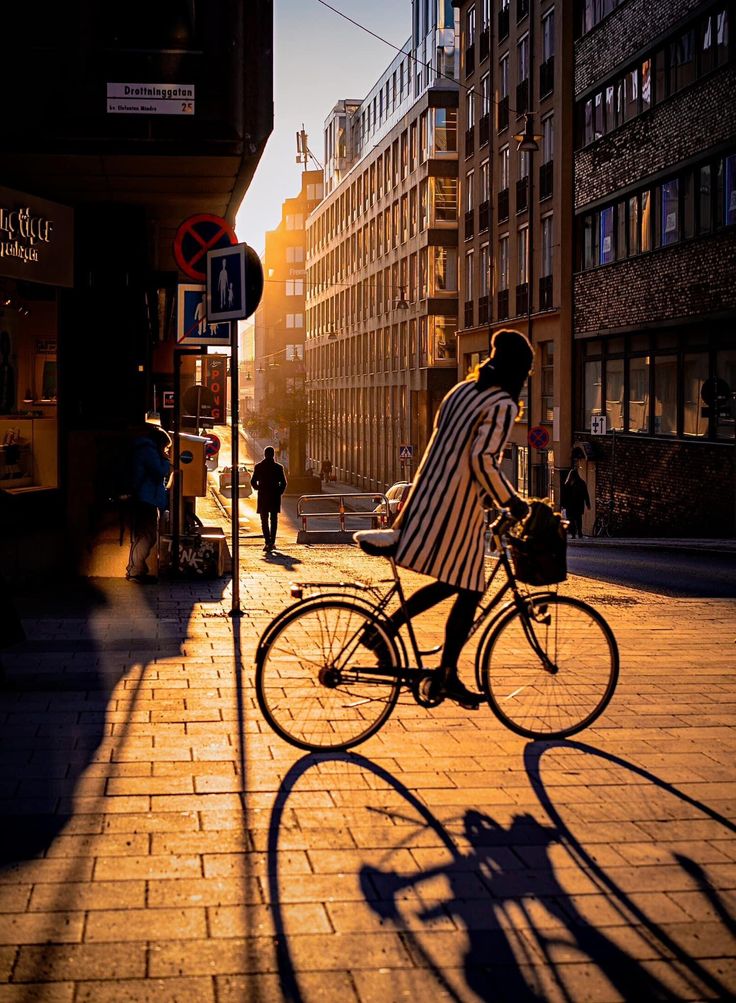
<point>419,62</point>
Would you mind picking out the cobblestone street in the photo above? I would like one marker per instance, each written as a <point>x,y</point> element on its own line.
<point>161,843</point>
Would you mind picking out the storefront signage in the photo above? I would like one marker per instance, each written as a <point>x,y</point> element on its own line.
<point>215,379</point>
<point>36,239</point>
<point>150,99</point>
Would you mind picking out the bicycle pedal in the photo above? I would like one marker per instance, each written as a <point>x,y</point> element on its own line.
<point>427,693</point>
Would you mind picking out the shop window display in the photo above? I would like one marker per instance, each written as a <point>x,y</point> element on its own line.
<point>28,393</point>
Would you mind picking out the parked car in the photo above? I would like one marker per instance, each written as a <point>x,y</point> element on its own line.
<point>396,497</point>
<point>226,480</point>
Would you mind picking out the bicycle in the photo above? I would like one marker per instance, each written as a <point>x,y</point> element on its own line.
<point>602,525</point>
<point>547,664</point>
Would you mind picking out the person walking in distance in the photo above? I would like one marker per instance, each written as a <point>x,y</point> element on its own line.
<point>575,499</point>
<point>150,468</point>
<point>441,524</point>
<point>269,480</point>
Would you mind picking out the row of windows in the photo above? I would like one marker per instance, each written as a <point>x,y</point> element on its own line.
<point>418,342</point>
<point>651,385</point>
<point>688,55</point>
<point>589,13</point>
<point>434,202</point>
<point>430,272</point>
<point>433,134</point>
<point>695,201</point>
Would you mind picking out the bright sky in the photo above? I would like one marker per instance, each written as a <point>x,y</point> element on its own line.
<point>319,57</point>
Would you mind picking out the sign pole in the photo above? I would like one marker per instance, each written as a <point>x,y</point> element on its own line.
<point>235,460</point>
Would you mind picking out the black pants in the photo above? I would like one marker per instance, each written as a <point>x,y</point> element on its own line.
<point>576,523</point>
<point>269,533</point>
<point>459,621</point>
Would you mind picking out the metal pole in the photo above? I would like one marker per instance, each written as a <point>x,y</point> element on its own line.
<point>235,459</point>
<point>530,243</point>
<point>176,479</point>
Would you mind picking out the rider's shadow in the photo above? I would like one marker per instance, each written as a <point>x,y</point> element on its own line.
<point>521,926</point>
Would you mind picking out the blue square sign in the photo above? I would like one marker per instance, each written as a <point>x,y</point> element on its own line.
<point>226,284</point>
<point>193,327</point>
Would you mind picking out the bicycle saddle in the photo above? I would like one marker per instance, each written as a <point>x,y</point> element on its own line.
<point>377,542</point>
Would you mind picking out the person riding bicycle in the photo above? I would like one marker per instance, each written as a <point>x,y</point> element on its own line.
<point>441,524</point>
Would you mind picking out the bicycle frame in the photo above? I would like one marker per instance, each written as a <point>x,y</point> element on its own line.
<point>376,601</point>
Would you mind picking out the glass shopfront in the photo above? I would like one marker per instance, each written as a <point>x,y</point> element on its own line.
<point>36,255</point>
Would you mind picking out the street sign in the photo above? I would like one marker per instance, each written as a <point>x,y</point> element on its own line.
<point>406,452</point>
<point>195,237</point>
<point>212,446</point>
<point>192,326</point>
<point>226,283</point>
<point>598,424</point>
<point>198,401</point>
<point>538,437</point>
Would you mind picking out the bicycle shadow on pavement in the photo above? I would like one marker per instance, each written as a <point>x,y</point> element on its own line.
<point>524,930</point>
<point>692,977</point>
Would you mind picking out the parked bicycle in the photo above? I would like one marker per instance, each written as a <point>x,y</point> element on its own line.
<point>546,663</point>
<point>602,524</point>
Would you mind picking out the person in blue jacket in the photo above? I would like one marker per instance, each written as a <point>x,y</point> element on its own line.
<point>150,468</point>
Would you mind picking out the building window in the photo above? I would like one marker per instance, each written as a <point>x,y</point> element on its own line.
<point>445,269</point>
<point>548,35</point>
<point>445,199</point>
<point>444,131</point>
<point>469,284</point>
<point>295,221</point>
<point>295,320</point>
<point>503,262</point>
<point>470,108</point>
<point>483,271</point>
<point>547,246</point>
<point>470,27</point>
<point>295,287</point>
<point>294,254</point>
<point>547,365</point>
<point>523,255</point>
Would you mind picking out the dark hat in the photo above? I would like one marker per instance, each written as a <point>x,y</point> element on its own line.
<point>512,357</point>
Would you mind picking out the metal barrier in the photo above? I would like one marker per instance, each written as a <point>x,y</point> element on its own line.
<point>342,512</point>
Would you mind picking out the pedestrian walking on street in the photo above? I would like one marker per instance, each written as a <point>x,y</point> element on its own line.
<point>150,469</point>
<point>269,480</point>
<point>575,499</point>
<point>441,523</point>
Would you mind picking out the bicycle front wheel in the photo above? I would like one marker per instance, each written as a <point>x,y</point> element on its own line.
<point>552,670</point>
<point>318,686</point>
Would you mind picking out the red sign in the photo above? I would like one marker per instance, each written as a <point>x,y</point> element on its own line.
<point>195,237</point>
<point>538,437</point>
<point>212,446</point>
<point>215,379</point>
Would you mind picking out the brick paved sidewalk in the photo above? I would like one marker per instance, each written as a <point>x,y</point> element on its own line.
<point>159,843</point>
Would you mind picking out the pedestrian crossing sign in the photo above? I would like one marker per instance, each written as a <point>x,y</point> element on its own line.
<point>406,452</point>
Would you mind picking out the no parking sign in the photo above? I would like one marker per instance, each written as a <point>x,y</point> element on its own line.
<point>538,437</point>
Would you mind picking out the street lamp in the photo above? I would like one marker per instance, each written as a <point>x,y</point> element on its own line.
<point>528,142</point>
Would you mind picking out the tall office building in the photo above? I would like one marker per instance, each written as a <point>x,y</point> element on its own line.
<point>655,259</point>
<point>382,263</point>
<point>516,212</point>
<point>279,403</point>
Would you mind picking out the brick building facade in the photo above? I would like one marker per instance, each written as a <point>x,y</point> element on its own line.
<point>655,263</point>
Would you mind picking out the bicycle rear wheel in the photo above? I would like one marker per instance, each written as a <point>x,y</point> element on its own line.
<point>553,672</point>
<point>318,686</point>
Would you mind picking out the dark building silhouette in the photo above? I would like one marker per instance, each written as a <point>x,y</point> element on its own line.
<point>129,120</point>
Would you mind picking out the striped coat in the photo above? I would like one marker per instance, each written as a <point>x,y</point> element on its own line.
<point>441,524</point>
